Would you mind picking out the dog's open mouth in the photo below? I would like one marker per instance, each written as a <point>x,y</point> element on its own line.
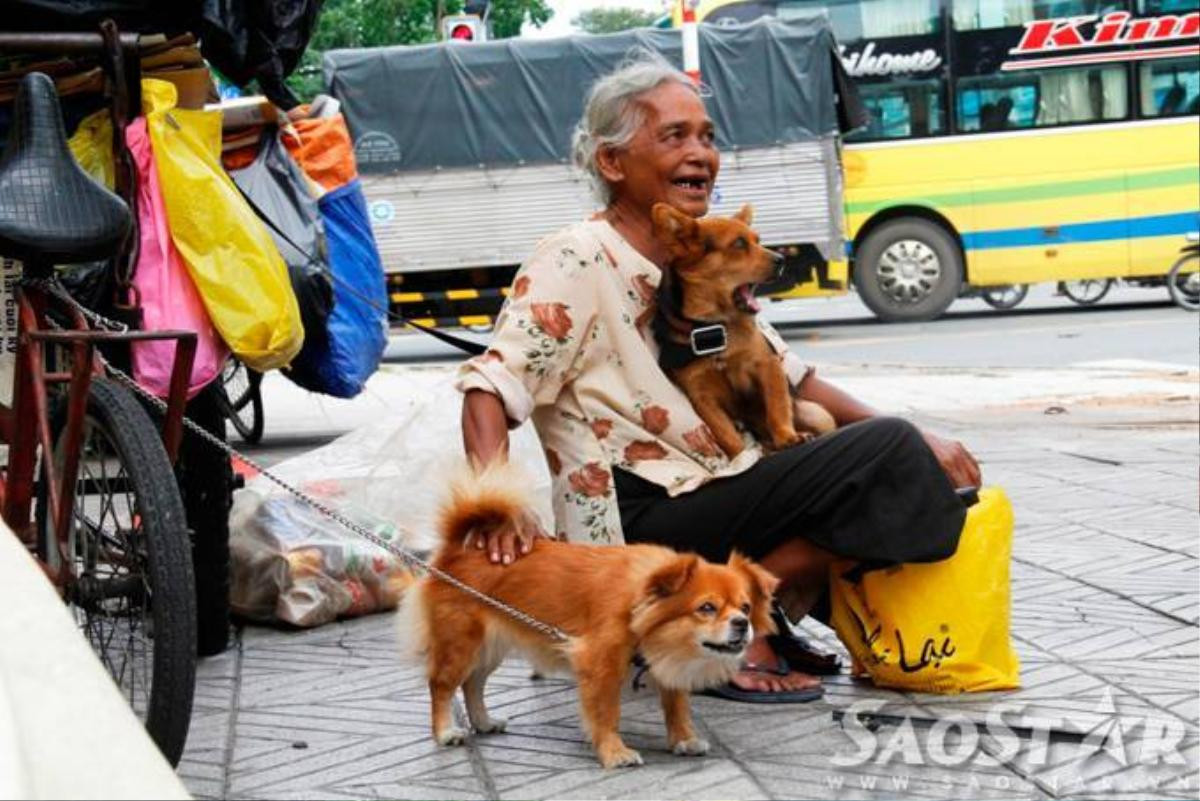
<point>743,298</point>
<point>731,647</point>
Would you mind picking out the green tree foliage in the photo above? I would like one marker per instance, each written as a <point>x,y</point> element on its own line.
<point>377,23</point>
<point>612,19</point>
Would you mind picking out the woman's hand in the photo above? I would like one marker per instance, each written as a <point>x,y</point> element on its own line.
<point>505,544</point>
<point>960,466</point>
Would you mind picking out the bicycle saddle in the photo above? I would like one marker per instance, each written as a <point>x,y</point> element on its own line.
<point>51,211</point>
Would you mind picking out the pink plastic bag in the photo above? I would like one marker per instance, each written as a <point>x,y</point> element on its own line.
<point>169,298</point>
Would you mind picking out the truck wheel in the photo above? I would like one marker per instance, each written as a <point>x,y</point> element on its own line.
<point>908,270</point>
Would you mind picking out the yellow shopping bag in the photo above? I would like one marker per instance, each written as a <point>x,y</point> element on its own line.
<point>92,147</point>
<point>939,627</point>
<point>227,249</point>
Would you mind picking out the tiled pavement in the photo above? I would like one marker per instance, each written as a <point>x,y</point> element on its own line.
<point>1106,608</point>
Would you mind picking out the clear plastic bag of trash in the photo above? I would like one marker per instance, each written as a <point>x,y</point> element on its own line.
<point>292,564</point>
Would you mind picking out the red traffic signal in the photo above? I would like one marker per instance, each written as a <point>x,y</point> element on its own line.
<point>463,28</point>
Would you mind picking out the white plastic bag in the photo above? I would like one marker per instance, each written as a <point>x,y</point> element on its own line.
<point>292,564</point>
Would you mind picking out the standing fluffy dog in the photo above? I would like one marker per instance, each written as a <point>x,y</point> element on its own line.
<point>689,619</point>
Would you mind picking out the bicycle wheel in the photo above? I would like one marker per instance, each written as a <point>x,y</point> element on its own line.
<point>1005,297</point>
<point>1088,291</point>
<point>131,588</point>
<point>240,398</point>
<point>1183,282</point>
<point>206,482</point>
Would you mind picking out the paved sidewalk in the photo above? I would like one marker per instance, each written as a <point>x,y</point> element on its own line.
<point>1102,473</point>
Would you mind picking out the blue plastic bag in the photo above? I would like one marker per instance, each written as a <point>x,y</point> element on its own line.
<point>357,326</point>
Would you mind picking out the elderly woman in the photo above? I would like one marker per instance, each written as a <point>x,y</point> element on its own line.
<point>631,461</point>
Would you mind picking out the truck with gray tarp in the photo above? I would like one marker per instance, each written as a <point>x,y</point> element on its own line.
<point>464,149</point>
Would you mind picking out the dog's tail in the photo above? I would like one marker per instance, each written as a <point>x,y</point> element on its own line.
<point>478,500</point>
<point>496,496</point>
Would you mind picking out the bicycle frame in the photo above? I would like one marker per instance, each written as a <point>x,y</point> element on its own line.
<point>32,387</point>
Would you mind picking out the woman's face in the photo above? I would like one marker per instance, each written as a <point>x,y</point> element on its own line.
<point>671,159</point>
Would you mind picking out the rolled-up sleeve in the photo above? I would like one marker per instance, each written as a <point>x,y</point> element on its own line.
<point>794,367</point>
<point>540,332</point>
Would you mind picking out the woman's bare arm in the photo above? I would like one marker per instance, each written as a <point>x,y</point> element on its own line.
<point>485,439</point>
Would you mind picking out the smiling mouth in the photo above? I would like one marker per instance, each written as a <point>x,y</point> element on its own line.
<point>733,647</point>
<point>743,298</point>
<point>692,184</point>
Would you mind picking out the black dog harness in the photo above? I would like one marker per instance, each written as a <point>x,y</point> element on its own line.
<point>699,337</point>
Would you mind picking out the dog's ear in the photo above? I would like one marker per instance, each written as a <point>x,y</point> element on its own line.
<point>673,228</point>
<point>762,589</point>
<point>673,576</point>
<point>745,214</point>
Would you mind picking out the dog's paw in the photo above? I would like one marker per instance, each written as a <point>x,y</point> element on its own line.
<point>492,726</point>
<point>783,441</point>
<point>451,736</point>
<point>692,746</point>
<point>620,757</point>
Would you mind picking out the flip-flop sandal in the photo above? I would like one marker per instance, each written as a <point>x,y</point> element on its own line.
<point>732,692</point>
<point>799,653</point>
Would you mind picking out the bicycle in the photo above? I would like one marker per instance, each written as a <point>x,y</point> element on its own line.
<point>1004,297</point>
<point>88,483</point>
<point>1183,279</point>
<point>239,396</point>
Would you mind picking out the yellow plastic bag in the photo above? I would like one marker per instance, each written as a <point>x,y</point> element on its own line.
<point>92,147</point>
<point>227,249</point>
<point>939,627</point>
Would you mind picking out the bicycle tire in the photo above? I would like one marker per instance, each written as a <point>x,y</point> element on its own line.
<point>1183,299</point>
<point>115,417</point>
<point>1005,297</point>
<point>1075,290</point>
<point>249,427</point>
<point>205,478</point>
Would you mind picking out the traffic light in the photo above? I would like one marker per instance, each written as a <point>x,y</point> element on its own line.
<point>463,28</point>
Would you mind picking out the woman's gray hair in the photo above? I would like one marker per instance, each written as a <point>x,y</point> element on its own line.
<point>612,114</point>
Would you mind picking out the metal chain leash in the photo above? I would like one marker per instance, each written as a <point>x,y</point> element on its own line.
<point>412,560</point>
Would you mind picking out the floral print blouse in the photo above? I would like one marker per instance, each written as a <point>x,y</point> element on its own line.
<point>573,348</point>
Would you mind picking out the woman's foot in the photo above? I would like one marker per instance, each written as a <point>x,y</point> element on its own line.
<point>761,672</point>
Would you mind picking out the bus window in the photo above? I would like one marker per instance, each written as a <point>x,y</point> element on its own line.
<point>973,15</point>
<point>853,20</point>
<point>1042,98</point>
<point>1169,88</point>
<point>1155,7</point>
<point>901,109</point>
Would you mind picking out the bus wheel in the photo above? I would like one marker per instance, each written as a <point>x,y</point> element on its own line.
<point>908,270</point>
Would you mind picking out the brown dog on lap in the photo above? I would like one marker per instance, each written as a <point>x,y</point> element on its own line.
<point>711,344</point>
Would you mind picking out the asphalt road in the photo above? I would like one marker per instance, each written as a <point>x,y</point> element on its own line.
<point>1132,328</point>
<point>1044,331</point>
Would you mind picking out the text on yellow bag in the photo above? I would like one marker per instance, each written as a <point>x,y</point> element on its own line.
<point>941,627</point>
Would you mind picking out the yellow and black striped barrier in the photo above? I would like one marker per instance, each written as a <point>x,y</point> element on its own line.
<point>463,321</point>
<point>484,316</point>
<point>449,294</point>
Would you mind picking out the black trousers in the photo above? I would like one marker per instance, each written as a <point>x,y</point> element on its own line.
<point>872,491</point>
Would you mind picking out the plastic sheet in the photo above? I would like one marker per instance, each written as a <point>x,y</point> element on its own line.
<point>293,565</point>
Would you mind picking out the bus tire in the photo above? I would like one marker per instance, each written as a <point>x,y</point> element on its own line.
<point>908,270</point>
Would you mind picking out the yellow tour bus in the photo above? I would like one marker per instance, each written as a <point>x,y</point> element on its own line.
<point>1011,141</point>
